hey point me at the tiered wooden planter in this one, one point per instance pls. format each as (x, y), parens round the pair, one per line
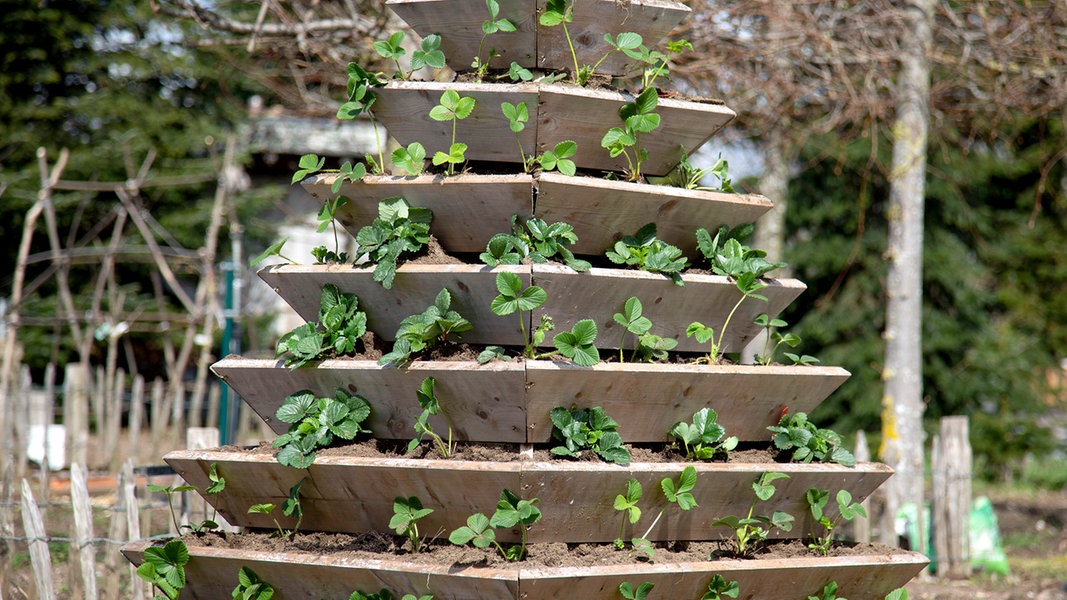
(507, 402)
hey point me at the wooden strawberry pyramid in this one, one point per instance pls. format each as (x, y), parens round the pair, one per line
(509, 401)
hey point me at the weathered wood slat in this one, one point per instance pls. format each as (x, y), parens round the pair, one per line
(212, 574)
(404, 108)
(353, 494)
(414, 289)
(83, 527)
(602, 211)
(647, 399)
(484, 402)
(557, 113)
(40, 559)
(600, 293)
(584, 115)
(467, 209)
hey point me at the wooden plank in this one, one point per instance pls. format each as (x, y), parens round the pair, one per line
(652, 19)
(76, 384)
(117, 530)
(861, 527)
(193, 508)
(473, 288)
(600, 293)
(483, 402)
(468, 209)
(858, 577)
(460, 23)
(138, 586)
(404, 108)
(722, 489)
(584, 116)
(609, 210)
(83, 530)
(351, 494)
(952, 498)
(647, 399)
(212, 573)
(40, 559)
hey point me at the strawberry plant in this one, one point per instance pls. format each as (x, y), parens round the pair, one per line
(627, 505)
(640, 593)
(164, 568)
(452, 107)
(169, 492)
(510, 511)
(428, 54)
(406, 514)
(340, 325)
(290, 508)
(703, 438)
(752, 529)
(748, 285)
(719, 588)
(689, 177)
(578, 344)
(361, 97)
(535, 240)
(315, 422)
(726, 255)
(678, 492)
(809, 442)
(430, 406)
(411, 158)
(274, 249)
(587, 429)
(385, 594)
(846, 510)
(494, 24)
(561, 12)
(427, 329)
(325, 217)
(649, 345)
(399, 229)
(310, 164)
(251, 587)
(514, 298)
(644, 251)
(638, 117)
(829, 592)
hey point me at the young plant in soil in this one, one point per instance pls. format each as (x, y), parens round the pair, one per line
(452, 107)
(689, 177)
(399, 229)
(676, 492)
(535, 240)
(218, 484)
(829, 592)
(310, 164)
(809, 442)
(429, 53)
(719, 588)
(385, 594)
(325, 217)
(494, 24)
(406, 514)
(513, 298)
(430, 406)
(641, 592)
(752, 530)
(290, 508)
(558, 158)
(251, 587)
(770, 327)
(340, 325)
(704, 437)
(587, 429)
(561, 12)
(169, 492)
(649, 345)
(627, 505)
(427, 329)
(847, 510)
(361, 97)
(274, 249)
(638, 117)
(314, 422)
(510, 511)
(410, 159)
(164, 568)
(644, 251)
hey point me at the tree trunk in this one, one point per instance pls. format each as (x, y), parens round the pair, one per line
(902, 445)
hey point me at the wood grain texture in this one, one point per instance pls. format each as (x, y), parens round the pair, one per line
(460, 23)
(647, 399)
(484, 403)
(584, 115)
(600, 293)
(472, 287)
(404, 108)
(467, 209)
(603, 211)
(858, 577)
(351, 494)
(722, 489)
(212, 574)
(652, 19)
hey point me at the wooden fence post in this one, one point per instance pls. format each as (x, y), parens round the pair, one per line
(117, 530)
(39, 557)
(76, 411)
(83, 528)
(133, 524)
(861, 527)
(136, 420)
(952, 498)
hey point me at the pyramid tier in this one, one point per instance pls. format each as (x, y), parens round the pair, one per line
(469, 209)
(459, 22)
(355, 494)
(557, 113)
(510, 401)
(572, 296)
(212, 573)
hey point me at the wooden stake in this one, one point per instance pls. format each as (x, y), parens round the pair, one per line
(861, 528)
(76, 411)
(117, 530)
(83, 527)
(952, 498)
(136, 420)
(39, 557)
(133, 524)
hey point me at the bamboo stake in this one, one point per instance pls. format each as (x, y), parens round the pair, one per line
(83, 526)
(39, 557)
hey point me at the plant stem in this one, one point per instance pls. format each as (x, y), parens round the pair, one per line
(722, 332)
(377, 142)
(574, 56)
(452, 165)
